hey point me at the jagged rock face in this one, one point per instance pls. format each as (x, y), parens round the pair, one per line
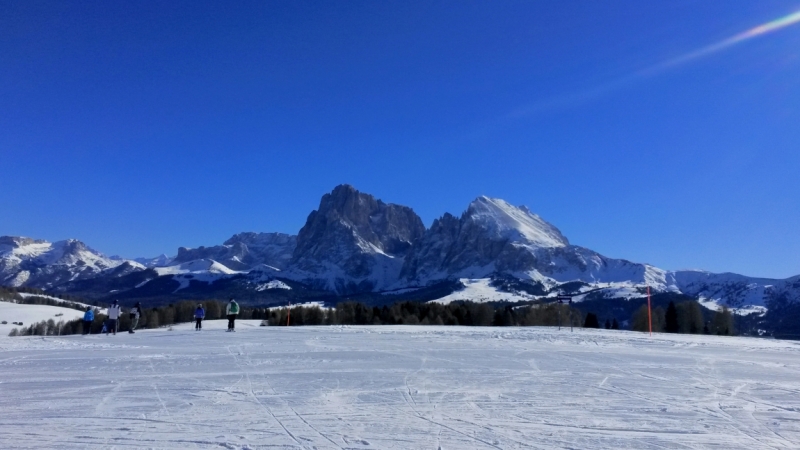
(272, 249)
(245, 250)
(491, 236)
(38, 263)
(356, 241)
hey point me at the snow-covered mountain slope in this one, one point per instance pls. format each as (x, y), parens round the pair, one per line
(158, 261)
(244, 251)
(354, 242)
(480, 290)
(204, 270)
(493, 237)
(501, 220)
(38, 263)
(28, 314)
(733, 290)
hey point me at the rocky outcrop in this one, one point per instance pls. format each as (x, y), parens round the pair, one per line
(244, 251)
(354, 242)
(491, 236)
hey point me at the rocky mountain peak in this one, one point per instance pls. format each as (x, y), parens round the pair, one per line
(10, 242)
(260, 240)
(502, 220)
(364, 219)
(362, 239)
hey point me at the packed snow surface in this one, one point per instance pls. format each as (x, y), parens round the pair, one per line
(398, 388)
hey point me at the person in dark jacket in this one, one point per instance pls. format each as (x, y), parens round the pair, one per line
(199, 315)
(88, 318)
(135, 314)
(232, 310)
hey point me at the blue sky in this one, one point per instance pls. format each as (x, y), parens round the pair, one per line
(139, 127)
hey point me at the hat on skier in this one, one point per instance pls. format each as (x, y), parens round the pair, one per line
(231, 299)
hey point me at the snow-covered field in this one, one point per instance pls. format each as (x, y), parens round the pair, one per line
(29, 314)
(398, 388)
(480, 290)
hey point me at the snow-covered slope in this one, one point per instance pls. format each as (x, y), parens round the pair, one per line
(38, 263)
(501, 220)
(204, 270)
(29, 314)
(480, 290)
(398, 388)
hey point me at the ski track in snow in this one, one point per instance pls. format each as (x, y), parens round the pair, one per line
(397, 388)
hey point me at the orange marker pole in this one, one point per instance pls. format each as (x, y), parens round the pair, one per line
(649, 315)
(288, 313)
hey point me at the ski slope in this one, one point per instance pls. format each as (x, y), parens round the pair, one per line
(30, 314)
(397, 388)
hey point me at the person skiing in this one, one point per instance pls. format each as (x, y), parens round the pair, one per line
(199, 315)
(232, 310)
(88, 318)
(135, 313)
(113, 317)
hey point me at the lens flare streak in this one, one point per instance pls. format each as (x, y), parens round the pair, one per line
(766, 28)
(576, 98)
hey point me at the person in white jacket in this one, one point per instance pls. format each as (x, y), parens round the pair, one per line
(113, 317)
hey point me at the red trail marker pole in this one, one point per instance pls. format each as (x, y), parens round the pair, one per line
(649, 315)
(289, 313)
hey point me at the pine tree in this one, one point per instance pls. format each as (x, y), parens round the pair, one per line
(608, 324)
(591, 321)
(671, 317)
(722, 323)
(614, 325)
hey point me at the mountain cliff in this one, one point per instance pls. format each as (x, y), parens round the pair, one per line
(354, 242)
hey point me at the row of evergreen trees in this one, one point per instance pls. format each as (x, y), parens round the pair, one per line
(593, 322)
(415, 313)
(156, 317)
(38, 300)
(685, 317)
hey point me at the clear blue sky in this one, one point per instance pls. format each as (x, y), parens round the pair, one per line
(139, 127)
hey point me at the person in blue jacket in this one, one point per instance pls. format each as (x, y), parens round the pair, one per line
(88, 318)
(199, 315)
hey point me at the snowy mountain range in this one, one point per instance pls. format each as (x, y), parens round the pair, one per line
(354, 244)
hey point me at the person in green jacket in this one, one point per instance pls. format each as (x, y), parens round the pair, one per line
(232, 310)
